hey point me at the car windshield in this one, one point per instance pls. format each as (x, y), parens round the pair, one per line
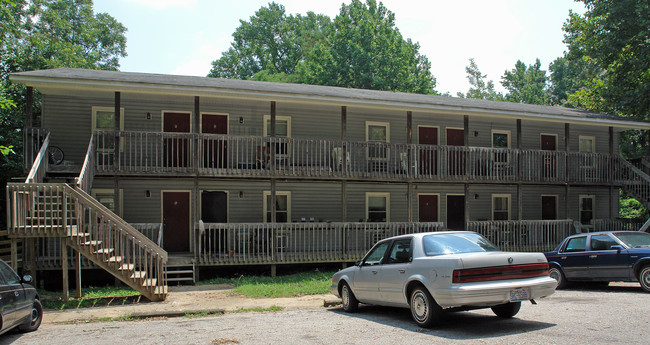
(456, 243)
(635, 240)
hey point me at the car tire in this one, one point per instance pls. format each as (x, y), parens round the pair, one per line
(644, 278)
(424, 309)
(557, 274)
(35, 318)
(350, 302)
(507, 310)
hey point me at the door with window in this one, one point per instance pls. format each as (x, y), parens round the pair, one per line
(176, 221)
(456, 212)
(366, 279)
(573, 258)
(176, 143)
(377, 136)
(428, 207)
(279, 144)
(586, 208)
(103, 119)
(428, 140)
(456, 155)
(214, 209)
(548, 143)
(215, 148)
(395, 271)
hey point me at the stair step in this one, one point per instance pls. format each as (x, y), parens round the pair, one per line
(161, 290)
(150, 282)
(115, 259)
(91, 243)
(180, 272)
(126, 267)
(104, 251)
(139, 275)
(180, 279)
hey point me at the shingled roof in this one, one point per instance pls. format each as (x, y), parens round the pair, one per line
(120, 80)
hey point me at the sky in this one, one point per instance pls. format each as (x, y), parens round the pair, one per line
(184, 36)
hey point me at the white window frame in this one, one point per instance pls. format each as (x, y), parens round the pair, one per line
(593, 210)
(593, 143)
(509, 136)
(215, 190)
(382, 124)
(95, 191)
(93, 124)
(266, 194)
(437, 194)
(385, 195)
(267, 118)
(557, 199)
(509, 203)
(208, 113)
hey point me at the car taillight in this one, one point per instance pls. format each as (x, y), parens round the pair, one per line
(500, 273)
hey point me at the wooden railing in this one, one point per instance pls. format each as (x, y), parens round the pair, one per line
(617, 224)
(153, 231)
(32, 141)
(257, 243)
(229, 155)
(58, 210)
(523, 235)
(39, 166)
(632, 180)
(87, 173)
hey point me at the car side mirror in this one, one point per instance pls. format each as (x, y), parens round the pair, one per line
(617, 247)
(27, 278)
(357, 263)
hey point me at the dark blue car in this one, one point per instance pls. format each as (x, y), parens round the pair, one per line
(602, 257)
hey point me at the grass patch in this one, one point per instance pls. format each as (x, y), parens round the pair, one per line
(258, 309)
(90, 297)
(300, 284)
(201, 314)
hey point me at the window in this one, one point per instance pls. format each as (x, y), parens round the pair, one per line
(376, 255)
(587, 206)
(577, 244)
(103, 118)
(400, 252)
(282, 207)
(500, 206)
(10, 277)
(282, 130)
(501, 140)
(587, 145)
(377, 207)
(106, 197)
(377, 134)
(602, 242)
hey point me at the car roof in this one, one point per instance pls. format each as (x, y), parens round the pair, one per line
(422, 234)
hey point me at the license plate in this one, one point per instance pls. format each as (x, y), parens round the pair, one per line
(518, 295)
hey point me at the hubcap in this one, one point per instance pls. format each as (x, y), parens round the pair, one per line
(555, 274)
(345, 296)
(34, 316)
(646, 277)
(419, 306)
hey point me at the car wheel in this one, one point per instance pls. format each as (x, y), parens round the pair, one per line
(350, 302)
(507, 310)
(424, 309)
(35, 318)
(556, 273)
(644, 278)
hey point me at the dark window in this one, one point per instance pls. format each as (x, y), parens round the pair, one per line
(577, 244)
(401, 252)
(376, 255)
(602, 242)
(9, 275)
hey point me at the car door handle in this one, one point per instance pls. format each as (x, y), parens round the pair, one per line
(593, 256)
(402, 271)
(563, 258)
(374, 272)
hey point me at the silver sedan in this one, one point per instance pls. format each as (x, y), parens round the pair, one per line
(431, 273)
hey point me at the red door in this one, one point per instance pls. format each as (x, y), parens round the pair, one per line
(428, 208)
(428, 154)
(549, 143)
(456, 160)
(176, 221)
(177, 147)
(215, 149)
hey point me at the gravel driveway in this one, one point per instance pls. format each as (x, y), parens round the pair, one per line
(617, 314)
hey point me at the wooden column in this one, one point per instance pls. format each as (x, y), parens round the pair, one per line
(467, 164)
(272, 148)
(409, 141)
(116, 153)
(198, 145)
(29, 107)
(78, 273)
(64, 268)
(28, 150)
(14, 253)
(32, 258)
(344, 183)
(611, 172)
(520, 198)
(567, 138)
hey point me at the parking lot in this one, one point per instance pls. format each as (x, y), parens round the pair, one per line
(579, 315)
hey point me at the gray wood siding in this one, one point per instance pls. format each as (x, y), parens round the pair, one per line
(442, 190)
(532, 200)
(357, 118)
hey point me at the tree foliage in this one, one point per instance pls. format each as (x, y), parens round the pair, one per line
(526, 84)
(479, 87)
(360, 48)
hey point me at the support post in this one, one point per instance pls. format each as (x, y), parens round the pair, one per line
(64, 269)
(198, 146)
(567, 139)
(78, 272)
(14, 254)
(32, 259)
(467, 164)
(466, 205)
(344, 153)
(409, 141)
(28, 150)
(116, 154)
(520, 201)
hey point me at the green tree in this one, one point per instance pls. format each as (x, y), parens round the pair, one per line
(479, 87)
(526, 84)
(608, 57)
(270, 43)
(367, 51)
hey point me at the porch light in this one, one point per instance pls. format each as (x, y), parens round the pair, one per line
(148, 116)
(476, 133)
(147, 193)
(241, 194)
(241, 119)
(475, 196)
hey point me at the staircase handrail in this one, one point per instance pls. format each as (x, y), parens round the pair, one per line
(642, 192)
(37, 172)
(87, 173)
(106, 212)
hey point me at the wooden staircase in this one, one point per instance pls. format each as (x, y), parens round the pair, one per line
(58, 210)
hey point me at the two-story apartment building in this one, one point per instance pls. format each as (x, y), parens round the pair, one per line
(211, 172)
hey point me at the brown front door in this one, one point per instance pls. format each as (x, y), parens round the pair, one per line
(428, 208)
(428, 154)
(214, 148)
(549, 207)
(456, 160)
(176, 221)
(549, 143)
(177, 147)
(456, 212)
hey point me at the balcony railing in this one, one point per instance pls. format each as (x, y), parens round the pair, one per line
(524, 235)
(228, 155)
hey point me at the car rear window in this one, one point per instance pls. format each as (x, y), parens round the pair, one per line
(635, 240)
(439, 244)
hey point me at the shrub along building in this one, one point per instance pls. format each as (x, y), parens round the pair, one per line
(144, 173)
